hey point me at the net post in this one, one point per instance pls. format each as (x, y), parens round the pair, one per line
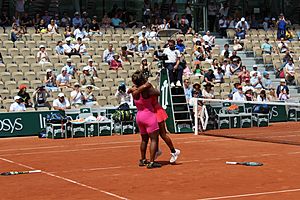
(196, 117)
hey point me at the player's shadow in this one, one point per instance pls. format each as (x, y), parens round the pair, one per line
(163, 163)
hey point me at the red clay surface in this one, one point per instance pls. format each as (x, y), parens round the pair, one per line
(106, 168)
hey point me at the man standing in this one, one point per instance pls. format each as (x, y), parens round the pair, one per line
(172, 64)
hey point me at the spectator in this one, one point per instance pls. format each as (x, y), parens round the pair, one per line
(283, 95)
(63, 79)
(187, 89)
(281, 86)
(283, 46)
(65, 20)
(115, 63)
(180, 46)
(81, 33)
(39, 97)
(68, 32)
(219, 76)
(86, 21)
(197, 90)
(239, 95)
(123, 96)
(124, 54)
(108, 54)
(145, 68)
(131, 46)
(289, 69)
(262, 97)
(25, 20)
(241, 27)
(207, 50)
(153, 34)
(208, 92)
(212, 14)
(235, 56)
(116, 22)
(256, 81)
(224, 10)
(16, 34)
(165, 25)
(80, 48)
(18, 105)
(86, 77)
(50, 81)
(188, 12)
(226, 68)
(94, 27)
(71, 69)
(200, 54)
(42, 55)
(223, 23)
(106, 21)
(265, 24)
(24, 96)
(92, 68)
(19, 8)
(144, 30)
(76, 96)
(266, 81)
(59, 49)
(226, 53)
(209, 38)
(235, 87)
(272, 95)
(77, 20)
(243, 74)
(61, 103)
(198, 71)
(234, 67)
(209, 76)
(184, 28)
(255, 67)
(267, 47)
(69, 48)
(214, 64)
(143, 47)
(57, 19)
(172, 64)
(289, 34)
(52, 27)
(90, 99)
(249, 94)
(46, 17)
(281, 27)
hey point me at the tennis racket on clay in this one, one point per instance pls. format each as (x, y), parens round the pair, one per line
(19, 172)
(245, 163)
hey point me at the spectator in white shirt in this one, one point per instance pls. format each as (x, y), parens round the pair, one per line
(239, 95)
(61, 103)
(131, 46)
(80, 32)
(144, 30)
(223, 23)
(123, 96)
(17, 106)
(69, 47)
(255, 67)
(80, 48)
(290, 71)
(219, 76)
(226, 53)
(63, 79)
(241, 28)
(42, 55)
(256, 81)
(108, 54)
(76, 96)
(52, 27)
(209, 38)
(92, 69)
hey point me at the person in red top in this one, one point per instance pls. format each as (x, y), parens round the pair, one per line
(116, 63)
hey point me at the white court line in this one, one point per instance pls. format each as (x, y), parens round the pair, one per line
(67, 179)
(252, 194)
(32, 148)
(91, 169)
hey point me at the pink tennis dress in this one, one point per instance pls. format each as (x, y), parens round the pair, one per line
(146, 117)
(161, 114)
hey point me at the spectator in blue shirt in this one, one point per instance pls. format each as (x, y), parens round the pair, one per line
(143, 47)
(266, 46)
(180, 46)
(187, 89)
(281, 25)
(59, 49)
(116, 22)
(77, 21)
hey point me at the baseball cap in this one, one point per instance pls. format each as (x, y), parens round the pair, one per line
(61, 95)
(42, 46)
(90, 60)
(282, 80)
(76, 84)
(131, 37)
(69, 60)
(22, 86)
(49, 70)
(144, 27)
(243, 19)
(63, 69)
(17, 97)
(254, 66)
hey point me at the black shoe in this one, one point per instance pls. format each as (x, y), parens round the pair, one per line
(153, 165)
(143, 162)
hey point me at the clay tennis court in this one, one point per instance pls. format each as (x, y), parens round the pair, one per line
(106, 168)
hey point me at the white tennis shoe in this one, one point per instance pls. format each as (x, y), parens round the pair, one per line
(174, 156)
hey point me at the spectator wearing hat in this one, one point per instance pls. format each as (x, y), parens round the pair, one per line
(219, 75)
(92, 68)
(81, 33)
(153, 35)
(76, 97)
(234, 67)
(42, 56)
(77, 20)
(59, 49)
(143, 47)
(52, 27)
(39, 97)
(90, 99)
(24, 96)
(18, 105)
(226, 53)
(63, 79)
(289, 69)
(209, 76)
(116, 62)
(249, 93)
(80, 48)
(209, 38)
(123, 96)
(86, 20)
(71, 69)
(131, 46)
(207, 91)
(86, 78)
(255, 69)
(243, 74)
(173, 64)
(180, 46)
(144, 30)
(266, 81)
(241, 28)
(69, 48)
(108, 54)
(187, 89)
(239, 95)
(61, 103)
(266, 47)
(50, 81)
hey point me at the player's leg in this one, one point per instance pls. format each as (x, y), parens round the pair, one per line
(153, 149)
(143, 149)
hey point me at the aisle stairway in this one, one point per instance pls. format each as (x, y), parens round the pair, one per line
(249, 60)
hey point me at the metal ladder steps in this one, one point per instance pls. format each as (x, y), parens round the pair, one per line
(183, 111)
